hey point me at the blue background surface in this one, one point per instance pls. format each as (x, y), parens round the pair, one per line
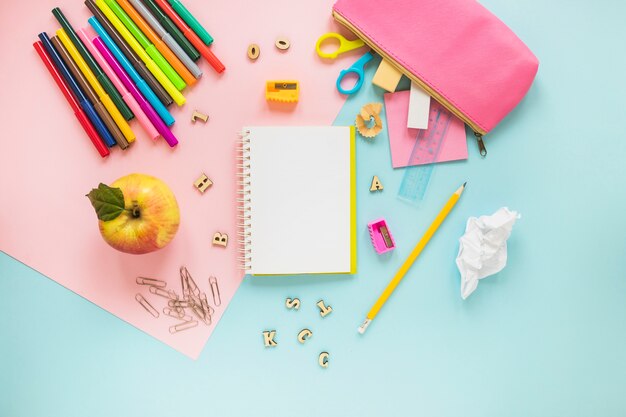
(545, 337)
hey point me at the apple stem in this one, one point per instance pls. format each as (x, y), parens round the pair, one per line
(135, 210)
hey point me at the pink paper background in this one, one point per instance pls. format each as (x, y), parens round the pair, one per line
(402, 139)
(47, 163)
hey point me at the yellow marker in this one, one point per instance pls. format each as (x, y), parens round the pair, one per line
(409, 261)
(97, 87)
(141, 53)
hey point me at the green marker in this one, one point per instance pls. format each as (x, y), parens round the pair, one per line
(191, 21)
(172, 29)
(147, 45)
(93, 65)
(151, 50)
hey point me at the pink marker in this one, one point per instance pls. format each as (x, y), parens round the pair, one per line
(150, 113)
(128, 98)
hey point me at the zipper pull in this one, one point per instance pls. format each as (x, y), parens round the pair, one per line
(481, 144)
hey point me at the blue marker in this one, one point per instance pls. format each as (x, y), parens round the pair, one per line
(80, 96)
(165, 115)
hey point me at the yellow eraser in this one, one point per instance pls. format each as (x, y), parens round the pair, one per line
(285, 91)
(387, 76)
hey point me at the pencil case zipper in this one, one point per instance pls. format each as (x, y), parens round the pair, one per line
(478, 132)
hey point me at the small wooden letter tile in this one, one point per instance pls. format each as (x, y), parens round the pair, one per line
(197, 115)
(220, 239)
(203, 183)
(376, 184)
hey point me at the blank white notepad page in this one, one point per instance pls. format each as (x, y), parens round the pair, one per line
(300, 192)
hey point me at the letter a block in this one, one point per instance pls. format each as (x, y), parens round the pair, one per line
(376, 184)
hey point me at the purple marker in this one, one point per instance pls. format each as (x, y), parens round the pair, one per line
(147, 109)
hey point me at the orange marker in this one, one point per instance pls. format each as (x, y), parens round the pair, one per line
(167, 53)
(204, 50)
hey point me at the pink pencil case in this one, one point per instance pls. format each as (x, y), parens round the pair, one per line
(460, 53)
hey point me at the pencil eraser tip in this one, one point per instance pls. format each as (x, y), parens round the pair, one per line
(364, 326)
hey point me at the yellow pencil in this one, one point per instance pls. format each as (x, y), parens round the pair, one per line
(409, 261)
(97, 87)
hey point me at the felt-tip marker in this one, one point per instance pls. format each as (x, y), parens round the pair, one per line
(130, 55)
(80, 96)
(139, 82)
(191, 21)
(93, 65)
(205, 51)
(154, 118)
(158, 43)
(172, 29)
(145, 43)
(167, 38)
(128, 134)
(128, 98)
(141, 53)
(78, 112)
(89, 93)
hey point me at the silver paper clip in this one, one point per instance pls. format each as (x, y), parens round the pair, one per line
(151, 281)
(170, 294)
(183, 326)
(215, 290)
(179, 303)
(145, 304)
(177, 315)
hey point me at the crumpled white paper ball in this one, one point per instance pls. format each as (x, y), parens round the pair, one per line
(482, 250)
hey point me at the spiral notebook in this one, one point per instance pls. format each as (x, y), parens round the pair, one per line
(297, 202)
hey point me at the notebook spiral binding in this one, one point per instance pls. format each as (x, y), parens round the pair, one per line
(244, 215)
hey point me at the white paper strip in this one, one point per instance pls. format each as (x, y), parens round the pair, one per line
(419, 108)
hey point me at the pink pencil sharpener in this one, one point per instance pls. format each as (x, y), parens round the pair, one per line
(381, 236)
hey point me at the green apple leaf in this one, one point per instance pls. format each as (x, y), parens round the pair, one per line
(108, 202)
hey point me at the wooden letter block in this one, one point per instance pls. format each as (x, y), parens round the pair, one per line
(203, 183)
(220, 239)
(295, 303)
(324, 310)
(304, 335)
(254, 51)
(282, 44)
(197, 115)
(268, 338)
(323, 359)
(376, 184)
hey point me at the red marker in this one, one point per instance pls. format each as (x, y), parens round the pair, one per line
(78, 112)
(191, 35)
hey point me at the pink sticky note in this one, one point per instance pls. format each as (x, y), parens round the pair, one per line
(47, 164)
(402, 139)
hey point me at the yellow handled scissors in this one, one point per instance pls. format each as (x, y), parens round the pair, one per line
(344, 45)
